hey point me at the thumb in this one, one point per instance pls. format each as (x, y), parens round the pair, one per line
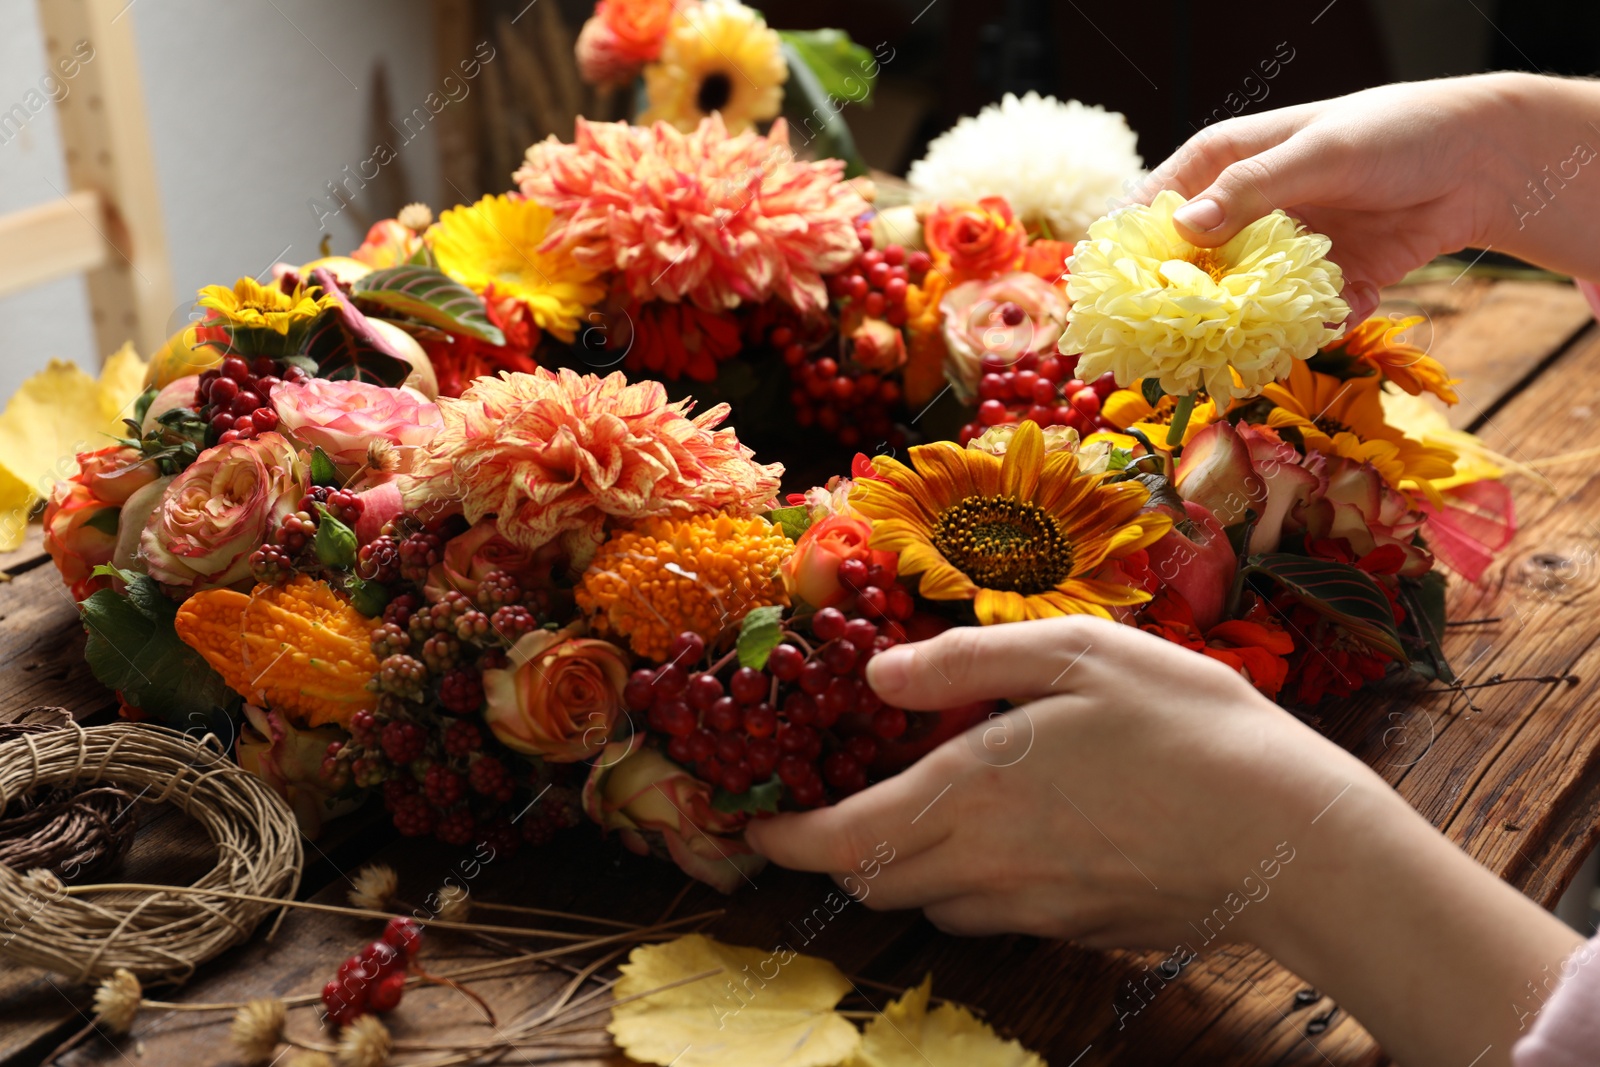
(1018, 661)
(1285, 175)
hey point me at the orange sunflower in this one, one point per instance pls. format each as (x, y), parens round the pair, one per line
(1376, 343)
(1345, 418)
(1023, 536)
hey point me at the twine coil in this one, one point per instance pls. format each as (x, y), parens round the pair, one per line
(86, 935)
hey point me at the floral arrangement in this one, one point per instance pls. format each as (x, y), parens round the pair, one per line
(377, 515)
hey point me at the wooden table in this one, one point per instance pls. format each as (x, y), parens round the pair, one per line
(1514, 778)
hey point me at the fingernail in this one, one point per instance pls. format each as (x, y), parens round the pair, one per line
(1199, 215)
(890, 669)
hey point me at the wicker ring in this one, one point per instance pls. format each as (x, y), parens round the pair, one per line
(89, 932)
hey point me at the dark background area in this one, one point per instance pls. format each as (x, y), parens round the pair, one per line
(1170, 66)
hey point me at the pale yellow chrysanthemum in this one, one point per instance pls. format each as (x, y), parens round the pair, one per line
(719, 56)
(1229, 320)
(495, 243)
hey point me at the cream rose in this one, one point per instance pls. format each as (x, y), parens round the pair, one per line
(560, 698)
(1004, 317)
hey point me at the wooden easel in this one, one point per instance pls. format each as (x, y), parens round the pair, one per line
(107, 221)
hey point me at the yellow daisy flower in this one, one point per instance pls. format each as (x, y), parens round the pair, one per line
(1023, 536)
(495, 243)
(718, 56)
(1345, 418)
(1127, 408)
(251, 305)
(1376, 343)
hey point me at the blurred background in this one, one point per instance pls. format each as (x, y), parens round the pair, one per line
(262, 116)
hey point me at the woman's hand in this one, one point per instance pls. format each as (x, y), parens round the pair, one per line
(1144, 795)
(1401, 173)
(1135, 791)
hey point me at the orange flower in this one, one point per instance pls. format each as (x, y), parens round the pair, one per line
(1377, 344)
(1047, 259)
(299, 648)
(562, 454)
(665, 576)
(974, 241)
(675, 341)
(559, 698)
(812, 573)
(620, 37)
(925, 350)
(1255, 645)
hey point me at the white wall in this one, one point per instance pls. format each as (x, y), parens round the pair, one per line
(248, 122)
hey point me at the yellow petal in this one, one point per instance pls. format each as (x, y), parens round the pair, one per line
(1019, 471)
(907, 1034)
(53, 416)
(775, 1008)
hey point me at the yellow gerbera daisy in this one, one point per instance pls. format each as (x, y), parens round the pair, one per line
(1023, 536)
(251, 305)
(718, 56)
(495, 242)
(1128, 409)
(1345, 418)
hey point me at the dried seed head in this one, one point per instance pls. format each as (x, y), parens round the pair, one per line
(117, 1000)
(416, 217)
(374, 887)
(257, 1030)
(364, 1043)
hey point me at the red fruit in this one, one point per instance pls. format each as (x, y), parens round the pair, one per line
(730, 749)
(724, 715)
(263, 365)
(760, 721)
(840, 768)
(1012, 314)
(671, 681)
(840, 656)
(814, 677)
(678, 750)
(380, 958)
(792, 770)
(403, 741)
(265, 419)
(794, 354)
(900, 604)
(1050, 368)
(1105, 385)
(918, 262)
(786, 661)
(223, 390)
(800, 708)
(704, 691)
(676, 717)
(809, 793)
(1062, 415)
(228, 437)
(749, 686)
(860, 632)
(888, 723)
(874, 603)
(991, 413)
(896, 316)
(843, 389)
(992, 387)
(1043, 391)
(640, 691)
(780, 336)
(877, 273)
(736, 779)
(838, 698)
(1087, 402)
(828, 624)
(404, 934)
(462, 738)
(235, 368)
(702, 745)
(874, 304)
(826, 368)
(856, 287)
(863, 748)
(387, 993)
(244, 403)
(687, 648)
(761, 753)
(1041, 415)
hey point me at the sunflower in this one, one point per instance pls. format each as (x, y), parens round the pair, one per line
(1345, 418)
(1376, 344)
(495, 243)
(1023, 536)
(719, 57)
(1128, 409)
(251, 305)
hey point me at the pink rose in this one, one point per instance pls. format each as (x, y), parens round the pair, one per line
(646, 797)
(560, 698)
(1005, 316)
(878, 346)
(812, 571)
(220, 510)
(116, 473)
(474, 554)
(80, 533)
(344, 418)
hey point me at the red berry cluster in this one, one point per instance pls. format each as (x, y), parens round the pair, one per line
(374, 979)
(808, 716)
(878, 280)
(235, 398)
(1037, 389)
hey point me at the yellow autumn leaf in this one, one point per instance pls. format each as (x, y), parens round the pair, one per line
(907, 1034)
(774, 1008)
(54, 415)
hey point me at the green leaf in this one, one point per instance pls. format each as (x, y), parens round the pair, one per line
(429, 294)
(814, 118)
(323, 472)
(1424, 600)
(368, 597)
(795, 520)
(141, 407)
(1151, 388)
(133, 648)
(759, 634)
(842, 67)
(335, 543)
(104, 520)
(1345, 595)
(763, 796)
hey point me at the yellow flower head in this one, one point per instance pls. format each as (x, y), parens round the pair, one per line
(1228, 320)
(1376, 343)
(1346, 418)
(251, 305)
(702, 574)
(1023, 536)
(718, 56)
(496, 242)
(1127, 408)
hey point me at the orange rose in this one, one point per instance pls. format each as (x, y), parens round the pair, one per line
(620, 37)
(974, 241)
(560, 698)
(80, 533)
(1047, 259)
(878, 346)
(812, 571)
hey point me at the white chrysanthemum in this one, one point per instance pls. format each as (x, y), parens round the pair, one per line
(1062, 163)
(1229, 320)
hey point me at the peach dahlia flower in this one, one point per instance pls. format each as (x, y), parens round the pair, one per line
(558, 454)
(703, 216)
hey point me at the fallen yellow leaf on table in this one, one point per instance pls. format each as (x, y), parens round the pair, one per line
(907, 1034)
(773, 1008)
(54, 415)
